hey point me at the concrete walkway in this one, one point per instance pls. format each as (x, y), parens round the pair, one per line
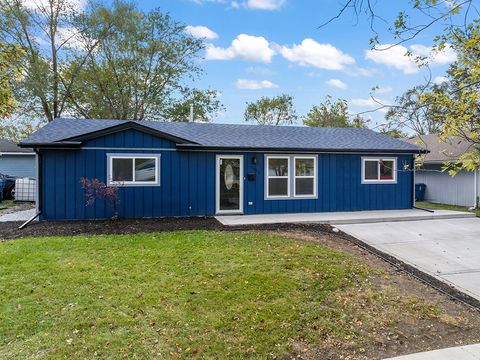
(469, 352)
(351, 217)
(18, 216)
(448, 249)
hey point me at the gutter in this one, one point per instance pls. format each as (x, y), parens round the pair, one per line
(193, 147)
(18, 153)
(51, 144)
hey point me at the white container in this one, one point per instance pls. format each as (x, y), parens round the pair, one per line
(25, 189)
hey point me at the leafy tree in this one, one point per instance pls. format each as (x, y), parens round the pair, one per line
(10, 72)
(139, 69)
(47, 32)
(395, 133)
(333, 115)
(205, 105)
(278, 110)
(359, 122)
(410, 113)
(458, 102)
(17, 128)
(328, 114)
(102, 62)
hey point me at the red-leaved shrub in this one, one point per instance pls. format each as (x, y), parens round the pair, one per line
(97, 190)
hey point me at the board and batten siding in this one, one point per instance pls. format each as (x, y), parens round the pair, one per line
(445, 189)
(187, 182)
(18, 165)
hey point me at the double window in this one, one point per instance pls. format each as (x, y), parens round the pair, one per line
(286, 172)
(125, 170)
(379, 170)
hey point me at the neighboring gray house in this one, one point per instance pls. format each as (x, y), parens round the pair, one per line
(462, 189)
(15, 161)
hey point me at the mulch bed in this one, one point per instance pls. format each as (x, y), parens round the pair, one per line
(9, 230)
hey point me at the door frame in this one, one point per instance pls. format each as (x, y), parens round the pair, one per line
(217, 184)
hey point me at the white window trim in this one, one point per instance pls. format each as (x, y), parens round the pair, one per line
(111, 157)
(314, 176)
(268, 177)
(379, 181)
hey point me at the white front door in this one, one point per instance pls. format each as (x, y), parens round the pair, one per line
(229, 184)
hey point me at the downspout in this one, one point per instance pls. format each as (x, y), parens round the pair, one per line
(38, 202)
(475, 190)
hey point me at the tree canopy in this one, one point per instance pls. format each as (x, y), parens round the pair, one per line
(278, 110)
(104, 61)
(409, 113)
(332, 114)
(458, 101)
(10, 73)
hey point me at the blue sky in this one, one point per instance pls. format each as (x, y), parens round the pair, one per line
(268, 47)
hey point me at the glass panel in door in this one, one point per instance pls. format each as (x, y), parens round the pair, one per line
(229, 181)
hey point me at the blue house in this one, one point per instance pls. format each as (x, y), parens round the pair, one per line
(15, 161)
(191, 169)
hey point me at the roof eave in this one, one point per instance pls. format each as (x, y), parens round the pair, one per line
(316, 150)
(51, 144)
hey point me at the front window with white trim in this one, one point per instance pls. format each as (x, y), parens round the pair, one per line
(278, 180)
(127, 170)
(379, 170)
(286, 172)
(305, 170)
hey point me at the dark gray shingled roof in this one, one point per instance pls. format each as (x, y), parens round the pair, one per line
(7, 146)
(229, 136)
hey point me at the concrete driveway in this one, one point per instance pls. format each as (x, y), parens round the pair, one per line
(448, 249)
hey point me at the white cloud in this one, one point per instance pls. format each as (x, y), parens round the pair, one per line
(446, 56)
(398, 56)
(339, 84)
(265, 4)
(201, 32)
(247, 4)
(371, 103)
(322, 56)
(395, 57)
(36, 4)
(245, 47)
(245, 84)
(440, 79)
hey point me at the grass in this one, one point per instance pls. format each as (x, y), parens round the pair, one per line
(429, 205)
(5, 204)
(185, 294)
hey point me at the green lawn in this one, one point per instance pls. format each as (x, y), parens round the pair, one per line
(185, 294)
(429, 205)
